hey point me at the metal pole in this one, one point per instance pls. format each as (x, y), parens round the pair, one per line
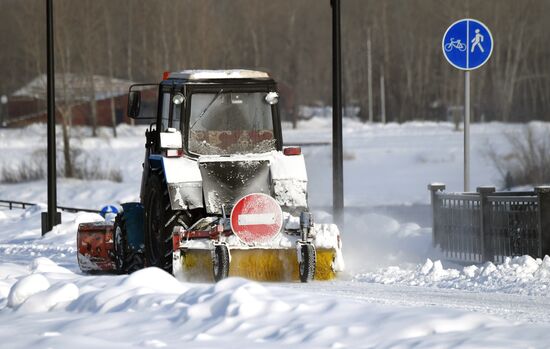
(51, 219)
(1, 111)
(337, 144)
(369, 77)
(382, 98)
(467, 131)
(543, 194)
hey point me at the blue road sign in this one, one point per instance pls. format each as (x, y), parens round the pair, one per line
(467, 44)
(109, 209)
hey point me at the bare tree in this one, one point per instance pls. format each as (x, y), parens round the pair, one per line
(110, 64)
(139, 39)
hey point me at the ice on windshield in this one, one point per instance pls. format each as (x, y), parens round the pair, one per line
(230, 123)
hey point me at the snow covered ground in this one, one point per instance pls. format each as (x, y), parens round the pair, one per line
(384, 164)
(397, 292)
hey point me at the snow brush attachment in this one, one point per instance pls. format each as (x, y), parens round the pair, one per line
(258, 264)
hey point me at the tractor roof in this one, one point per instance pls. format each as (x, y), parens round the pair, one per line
(193, 75)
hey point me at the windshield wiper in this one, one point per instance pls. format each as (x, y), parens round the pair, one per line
(205, 109)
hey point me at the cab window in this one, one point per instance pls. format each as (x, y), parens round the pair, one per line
(165, 118)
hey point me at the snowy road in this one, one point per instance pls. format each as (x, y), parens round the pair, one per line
(511, 307)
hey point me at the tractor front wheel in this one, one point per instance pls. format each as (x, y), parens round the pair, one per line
(220, 262)
(307, 262)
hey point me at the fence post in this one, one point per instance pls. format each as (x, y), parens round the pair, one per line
(485, 223)
(436, 203)
(543, 194)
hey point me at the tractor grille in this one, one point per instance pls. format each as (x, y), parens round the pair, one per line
(225, 182)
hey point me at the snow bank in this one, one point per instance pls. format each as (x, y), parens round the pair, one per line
(27, 287)
(37, 293)
(151, 309)
(127, 292)
(47, 299)
(45, 265)
(518, 275)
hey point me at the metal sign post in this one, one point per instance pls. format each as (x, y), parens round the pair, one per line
(52, 218)
(3, 107)
(337, 144)
(467, 130)
(467, 45)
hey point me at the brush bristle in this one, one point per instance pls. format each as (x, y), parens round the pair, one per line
(257, 264)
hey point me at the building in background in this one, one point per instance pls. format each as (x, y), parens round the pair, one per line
(74, 95)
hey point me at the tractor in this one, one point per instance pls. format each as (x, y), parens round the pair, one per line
(220, 194)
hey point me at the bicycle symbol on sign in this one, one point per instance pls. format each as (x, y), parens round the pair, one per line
(455, 44)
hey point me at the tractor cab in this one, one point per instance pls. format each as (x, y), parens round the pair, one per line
(213, 113)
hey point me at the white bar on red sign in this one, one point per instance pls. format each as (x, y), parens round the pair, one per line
(256, 218)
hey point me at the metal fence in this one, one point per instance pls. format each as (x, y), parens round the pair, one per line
(11, 204)
(489, 225)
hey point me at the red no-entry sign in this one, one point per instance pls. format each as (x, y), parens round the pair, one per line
(256, 218)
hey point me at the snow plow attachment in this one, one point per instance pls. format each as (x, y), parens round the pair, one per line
(257, 264)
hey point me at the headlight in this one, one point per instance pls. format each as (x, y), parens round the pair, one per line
(272, 98)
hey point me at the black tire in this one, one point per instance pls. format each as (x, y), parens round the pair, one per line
(220, 262)
(119, 232)
(159, 222)
(126, 259)
(307, 264)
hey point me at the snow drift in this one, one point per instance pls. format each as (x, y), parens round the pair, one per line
(151, 309)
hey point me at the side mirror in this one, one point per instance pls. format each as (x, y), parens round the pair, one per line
(134, 104)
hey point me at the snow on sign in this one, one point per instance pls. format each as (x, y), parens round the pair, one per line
(467, 44)
(256, 218)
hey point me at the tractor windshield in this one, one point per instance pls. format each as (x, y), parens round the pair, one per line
(226, 123)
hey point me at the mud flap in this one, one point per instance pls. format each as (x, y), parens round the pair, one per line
(133, 215)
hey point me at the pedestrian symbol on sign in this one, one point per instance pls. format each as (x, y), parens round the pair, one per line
(477, 40)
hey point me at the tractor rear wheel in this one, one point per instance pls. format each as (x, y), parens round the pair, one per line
(159, 223)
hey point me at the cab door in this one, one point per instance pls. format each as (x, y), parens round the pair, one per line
(171, 106)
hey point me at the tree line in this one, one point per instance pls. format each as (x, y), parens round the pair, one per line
(137, 40)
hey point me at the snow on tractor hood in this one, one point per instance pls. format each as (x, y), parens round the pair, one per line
(217, 181)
